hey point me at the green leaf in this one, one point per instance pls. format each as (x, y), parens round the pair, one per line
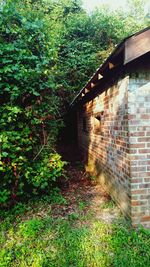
(4, 154)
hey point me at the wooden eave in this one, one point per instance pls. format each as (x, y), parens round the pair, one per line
(127, 51)
(137, 46)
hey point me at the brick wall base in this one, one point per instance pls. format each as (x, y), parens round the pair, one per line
(110, 184)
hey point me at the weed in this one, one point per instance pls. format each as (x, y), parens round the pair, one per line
(82, 206)
(73, 216)
(55, 197)
(30, 228)
(108, 205)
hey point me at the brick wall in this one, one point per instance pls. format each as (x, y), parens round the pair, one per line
(117, 148)
(106, 147)
(139, 138)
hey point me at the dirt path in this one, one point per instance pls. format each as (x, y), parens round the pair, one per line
(82, 194)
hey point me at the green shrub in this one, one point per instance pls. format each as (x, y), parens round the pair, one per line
(45, 172)
(29, 106)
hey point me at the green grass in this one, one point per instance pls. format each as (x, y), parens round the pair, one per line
(107, 205)
(31, 235)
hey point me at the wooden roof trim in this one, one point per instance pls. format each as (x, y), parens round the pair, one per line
(123, 48)
(137, 46)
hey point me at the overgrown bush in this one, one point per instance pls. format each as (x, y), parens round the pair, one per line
(30, 116)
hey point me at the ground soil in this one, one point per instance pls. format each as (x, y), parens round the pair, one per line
(80, 190)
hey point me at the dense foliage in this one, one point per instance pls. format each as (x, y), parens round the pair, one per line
(48, 50)
(30, 108)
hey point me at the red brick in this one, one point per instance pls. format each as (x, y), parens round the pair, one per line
(145, 116)
(139, 192)
(144, 185)
(137, 134)
(145, 218)
(138, 169)
(147, 180)
(134, 122)
(144, 162)
(144, 151)
(144, 139)
(140, 180)
(137, 145)
(145, 197)
(135, 203)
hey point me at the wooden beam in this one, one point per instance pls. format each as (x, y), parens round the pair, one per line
(100, 76)
(92, 85)
(83, 93)
(111, 65)
(86, 90)
(137, 46)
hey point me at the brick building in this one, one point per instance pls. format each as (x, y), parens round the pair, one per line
(114, 126)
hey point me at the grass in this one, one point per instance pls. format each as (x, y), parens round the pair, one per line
(33, 235)
(108, 205)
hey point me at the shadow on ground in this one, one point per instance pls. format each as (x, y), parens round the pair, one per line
(82, 190)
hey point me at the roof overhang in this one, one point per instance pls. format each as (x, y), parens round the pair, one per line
(128, 50)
